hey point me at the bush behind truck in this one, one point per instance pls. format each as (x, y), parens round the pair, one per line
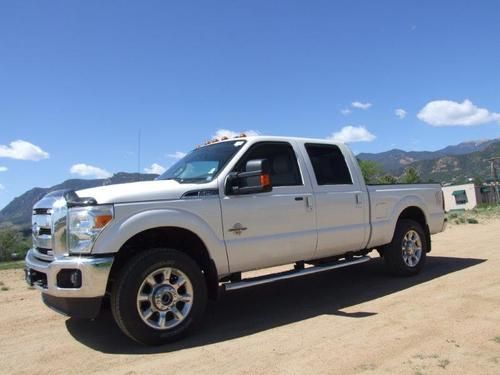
(13, 244)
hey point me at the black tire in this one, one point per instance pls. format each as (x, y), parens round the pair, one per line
(125, 291)
(393, 253)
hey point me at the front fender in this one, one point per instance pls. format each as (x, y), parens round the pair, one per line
(122, 229)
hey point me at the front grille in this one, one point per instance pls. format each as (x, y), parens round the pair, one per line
(43, 251)
(42, 233)
(49, 226)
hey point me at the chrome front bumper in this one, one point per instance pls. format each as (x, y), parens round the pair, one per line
(93, 273)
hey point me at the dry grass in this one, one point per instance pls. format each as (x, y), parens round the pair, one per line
(476, 216)
(12, 265)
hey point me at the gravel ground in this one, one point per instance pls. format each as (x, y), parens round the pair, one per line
(353, 320)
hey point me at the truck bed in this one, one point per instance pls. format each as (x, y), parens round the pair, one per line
(388, 201)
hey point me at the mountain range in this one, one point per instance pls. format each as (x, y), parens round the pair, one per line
(459, 168)
(395, 161)
(18, 211)
(452, 164)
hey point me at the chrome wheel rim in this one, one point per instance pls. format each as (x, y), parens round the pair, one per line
(165, 298)
(411, 248)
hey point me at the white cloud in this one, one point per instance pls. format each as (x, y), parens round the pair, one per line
(360, 105)
(3, 169)
(450, 113)
(349, 134)
(221, 133)
(177, 155)
(86, 170)
(345, 111)
(401, 113)
(155, 169)
(22, 150)
(2, 187)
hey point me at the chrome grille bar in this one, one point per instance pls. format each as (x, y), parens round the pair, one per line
(42, 234)
(49, 226)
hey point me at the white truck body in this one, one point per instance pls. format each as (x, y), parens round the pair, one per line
(340, 218)
(302, 221)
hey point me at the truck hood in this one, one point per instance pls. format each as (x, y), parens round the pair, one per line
(139, 191)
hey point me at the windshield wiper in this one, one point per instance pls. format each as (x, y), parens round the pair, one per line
(187, 180)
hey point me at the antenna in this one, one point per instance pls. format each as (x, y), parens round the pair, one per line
(139, 155)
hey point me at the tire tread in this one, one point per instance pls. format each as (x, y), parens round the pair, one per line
(141, 260)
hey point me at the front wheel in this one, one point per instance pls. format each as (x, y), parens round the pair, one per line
(406, 254)
(159, 296)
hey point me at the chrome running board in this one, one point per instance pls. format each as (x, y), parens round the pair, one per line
(246, 283)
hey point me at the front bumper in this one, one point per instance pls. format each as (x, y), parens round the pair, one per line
(82, 301)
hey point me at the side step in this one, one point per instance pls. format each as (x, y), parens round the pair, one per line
(246, 283)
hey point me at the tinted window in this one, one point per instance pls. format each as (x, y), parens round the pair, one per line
(282, 159)
(329, 165)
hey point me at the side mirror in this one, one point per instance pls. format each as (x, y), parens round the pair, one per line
(255, 179)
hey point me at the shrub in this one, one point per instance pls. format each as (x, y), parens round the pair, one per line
(12, 245)
(461, 220)
(471, 220)
(453, 215)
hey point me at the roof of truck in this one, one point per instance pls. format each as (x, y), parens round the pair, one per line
(271, 138)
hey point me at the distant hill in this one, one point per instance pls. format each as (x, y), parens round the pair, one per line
(458, 168)
(468, 147)
(18, 212)
(395, 161)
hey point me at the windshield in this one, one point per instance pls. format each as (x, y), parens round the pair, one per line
(204, 163)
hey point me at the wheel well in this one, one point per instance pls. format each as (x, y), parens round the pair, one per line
(416, 214)
(169, 237)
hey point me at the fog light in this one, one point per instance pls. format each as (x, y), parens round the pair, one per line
(70, 278)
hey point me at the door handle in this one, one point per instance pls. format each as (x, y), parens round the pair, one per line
(309, 203)
(237, 228)
(359, 200)
(299, 199)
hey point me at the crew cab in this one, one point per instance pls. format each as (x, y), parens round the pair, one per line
(158, 250)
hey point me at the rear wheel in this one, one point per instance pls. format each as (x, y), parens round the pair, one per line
(406, 254)
(159, 296)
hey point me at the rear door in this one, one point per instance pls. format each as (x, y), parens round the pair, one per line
(275, 227)
(341, 204)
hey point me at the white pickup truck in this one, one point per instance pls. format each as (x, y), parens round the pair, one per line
(159, 249)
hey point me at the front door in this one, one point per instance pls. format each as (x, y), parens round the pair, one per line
(272, 228)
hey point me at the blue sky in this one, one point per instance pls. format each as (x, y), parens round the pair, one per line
(79, 79)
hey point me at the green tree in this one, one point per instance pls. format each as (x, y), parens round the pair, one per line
(478, 181)
(8, 241)
(371, 170)
(411, 176)
(387, 179)
(12, 242)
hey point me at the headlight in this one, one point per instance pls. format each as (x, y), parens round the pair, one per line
(85, 224)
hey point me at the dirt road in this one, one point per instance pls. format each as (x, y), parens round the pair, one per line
(354, 320)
